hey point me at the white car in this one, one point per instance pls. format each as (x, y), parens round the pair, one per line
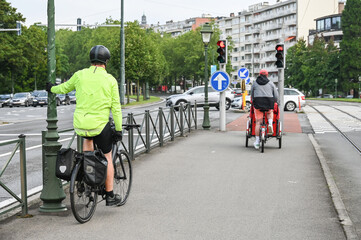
(292, 97)
(196, 94)
(238, 102)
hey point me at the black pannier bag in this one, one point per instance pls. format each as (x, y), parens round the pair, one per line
(95, 168)
(65, 162)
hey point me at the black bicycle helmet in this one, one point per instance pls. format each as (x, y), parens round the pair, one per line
(99, 53)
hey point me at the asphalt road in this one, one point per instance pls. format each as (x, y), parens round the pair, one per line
(32, 121)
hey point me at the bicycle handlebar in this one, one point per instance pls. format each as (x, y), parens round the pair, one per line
(130, 126)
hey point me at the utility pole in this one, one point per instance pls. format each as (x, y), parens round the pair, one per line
(122, 54)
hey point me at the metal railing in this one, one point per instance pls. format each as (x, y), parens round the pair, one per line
(156, 128)
(23, 201)
(159, 126)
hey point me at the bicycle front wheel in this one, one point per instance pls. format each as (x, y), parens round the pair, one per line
(122, 176)
(83, 200)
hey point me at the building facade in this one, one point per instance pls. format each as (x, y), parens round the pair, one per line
(256, 31)
(181, 27)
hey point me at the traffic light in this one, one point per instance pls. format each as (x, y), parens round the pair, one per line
(222, 51)
(280, 59)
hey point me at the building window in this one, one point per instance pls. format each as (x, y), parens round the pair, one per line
(336, 23)
(328, 24)
(320, 25)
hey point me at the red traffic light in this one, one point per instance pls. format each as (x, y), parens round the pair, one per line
(279, 47)
(221, 44)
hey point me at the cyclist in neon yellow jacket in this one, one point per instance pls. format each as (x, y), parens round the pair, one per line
(96, 94)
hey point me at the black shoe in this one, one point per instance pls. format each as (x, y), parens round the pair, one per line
(111, 201)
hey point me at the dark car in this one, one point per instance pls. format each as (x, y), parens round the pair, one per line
(62, 99)
(21, 99)
(41, 98)
(5, 100)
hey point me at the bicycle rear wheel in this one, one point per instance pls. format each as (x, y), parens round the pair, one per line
(122, 176)
(83, 200)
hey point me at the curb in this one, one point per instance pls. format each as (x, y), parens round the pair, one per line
(344, 218)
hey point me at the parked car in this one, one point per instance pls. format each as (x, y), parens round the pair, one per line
(327, 96)
(237, 92)
(63, 99)
(41, 98)
(72, 96)
(21, 99)
(196, 94)
(5, 100)
(292, 97)
(237, 102)
(349, 96)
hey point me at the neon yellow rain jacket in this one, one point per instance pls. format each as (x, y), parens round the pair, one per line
(96, 94)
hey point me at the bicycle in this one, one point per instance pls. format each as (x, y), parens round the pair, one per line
(263, 130)
(84, 198)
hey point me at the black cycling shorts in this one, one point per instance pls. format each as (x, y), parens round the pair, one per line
(104, 139)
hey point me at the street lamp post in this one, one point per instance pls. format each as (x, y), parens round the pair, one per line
(359, 86)
(52, 194)
(206, 37)
(336, 88)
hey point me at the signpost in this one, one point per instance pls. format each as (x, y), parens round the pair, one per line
(243, 73)
(220, 82)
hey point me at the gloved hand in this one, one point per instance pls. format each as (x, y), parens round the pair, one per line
(117, 135)
(49, 85)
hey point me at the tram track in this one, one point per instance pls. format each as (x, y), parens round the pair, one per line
(348, 139)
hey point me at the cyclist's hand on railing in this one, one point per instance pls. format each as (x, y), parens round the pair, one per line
(118, 135)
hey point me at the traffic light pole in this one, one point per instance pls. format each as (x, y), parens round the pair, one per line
(281, 83)
(222, 104)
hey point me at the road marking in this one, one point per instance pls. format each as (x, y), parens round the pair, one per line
(31, 134)
(31, 148)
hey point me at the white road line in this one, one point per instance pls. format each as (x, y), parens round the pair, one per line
(31, 134)
(30, 148)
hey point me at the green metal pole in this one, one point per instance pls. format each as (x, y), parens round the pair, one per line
(122, 55)
(52, 194)
(206, 123)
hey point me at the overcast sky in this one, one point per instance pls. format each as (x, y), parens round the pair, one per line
(96, 11)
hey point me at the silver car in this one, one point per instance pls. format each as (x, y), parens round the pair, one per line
(196, 94)
(21, 99)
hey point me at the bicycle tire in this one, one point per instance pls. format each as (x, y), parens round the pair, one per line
(122, 176)
(83, 200)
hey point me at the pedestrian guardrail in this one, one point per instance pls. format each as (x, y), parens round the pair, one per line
(156, 127)
(159, 126)
(23, 200)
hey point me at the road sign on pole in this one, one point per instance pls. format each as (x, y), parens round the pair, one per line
(220, 81)
(243, 73)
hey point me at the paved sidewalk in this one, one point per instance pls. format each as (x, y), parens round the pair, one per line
(208, 185)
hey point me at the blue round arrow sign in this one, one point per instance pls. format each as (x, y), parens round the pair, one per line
(243, 73)
(220, 81)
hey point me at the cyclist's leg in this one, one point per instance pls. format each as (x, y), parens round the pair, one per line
(270, 121)
(259, 117)
(104, 142)
(88, 144)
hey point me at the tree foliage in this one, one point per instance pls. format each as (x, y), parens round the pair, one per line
(351, 44)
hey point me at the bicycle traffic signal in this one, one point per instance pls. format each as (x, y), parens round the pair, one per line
(280, 59)
(222, 51)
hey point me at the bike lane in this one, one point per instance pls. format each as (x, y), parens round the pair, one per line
(208, 185)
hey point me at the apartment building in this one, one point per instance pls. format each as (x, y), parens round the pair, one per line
(256, 31)
(181, 27)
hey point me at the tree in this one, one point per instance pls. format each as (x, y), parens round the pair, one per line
(351, 44)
